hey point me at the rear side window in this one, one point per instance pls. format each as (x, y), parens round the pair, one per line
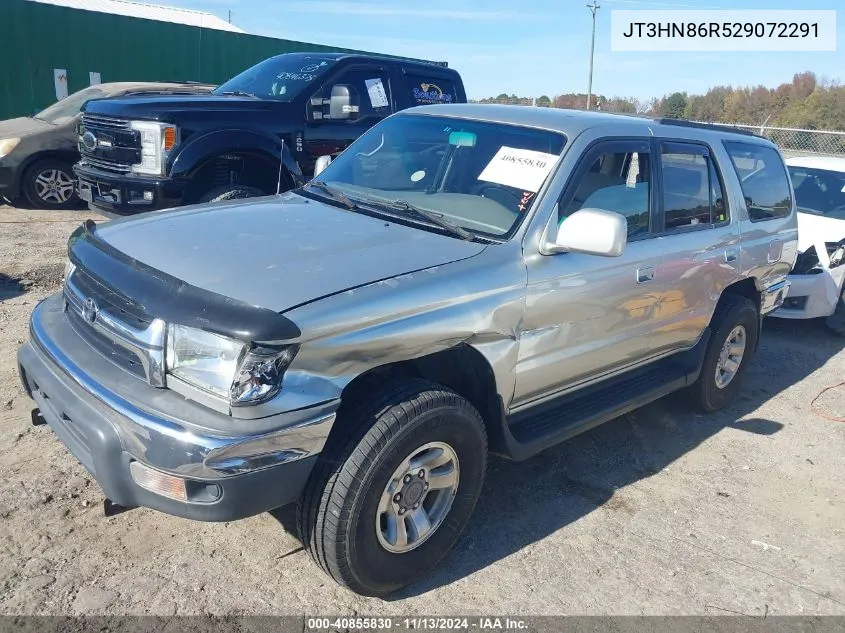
(427, 90)
(692, 190)
(764, 181)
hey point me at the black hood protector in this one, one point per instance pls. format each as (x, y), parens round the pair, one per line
(163, 296)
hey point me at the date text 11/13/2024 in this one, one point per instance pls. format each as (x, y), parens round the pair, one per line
(415, 623)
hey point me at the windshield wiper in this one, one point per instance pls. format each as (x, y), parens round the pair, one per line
(434, 218)
(334, 194)
(238, 93)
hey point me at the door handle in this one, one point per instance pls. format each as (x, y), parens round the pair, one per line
(731, 255)
(644, 274)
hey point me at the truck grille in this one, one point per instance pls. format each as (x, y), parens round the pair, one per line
(116, 327)
(105, 122)
(107, 165)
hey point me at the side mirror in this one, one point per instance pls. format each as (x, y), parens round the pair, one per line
(341, 107)
(590, 231)
(321, 164)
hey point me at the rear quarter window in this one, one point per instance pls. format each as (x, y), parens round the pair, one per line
(763, 178)
(427, 90)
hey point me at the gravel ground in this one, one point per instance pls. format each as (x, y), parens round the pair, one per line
(659, 512)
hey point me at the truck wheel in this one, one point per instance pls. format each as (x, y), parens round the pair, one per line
(736, 326)
(836, 321)
(394, 489)
(231, 192)
(50, 184)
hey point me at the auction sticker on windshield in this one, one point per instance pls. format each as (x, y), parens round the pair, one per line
(378, 96)
(519, 168)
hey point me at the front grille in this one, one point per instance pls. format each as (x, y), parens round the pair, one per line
(107, 165)
(119, 355)
(116, 327)
(116, 304)
(106, 122)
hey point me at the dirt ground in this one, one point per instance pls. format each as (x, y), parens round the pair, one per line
(659, 512)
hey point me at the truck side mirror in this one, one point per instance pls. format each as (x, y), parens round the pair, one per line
(341, 103)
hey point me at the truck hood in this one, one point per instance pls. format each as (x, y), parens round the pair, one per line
(167, 107)
(817, 229)
(279, 252)
(23, 127)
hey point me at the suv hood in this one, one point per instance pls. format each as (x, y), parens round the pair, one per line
(279, 252)
(165, 106)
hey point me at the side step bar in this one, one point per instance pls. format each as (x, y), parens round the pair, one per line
(530, 431)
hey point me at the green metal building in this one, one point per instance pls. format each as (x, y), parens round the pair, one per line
(52, 46)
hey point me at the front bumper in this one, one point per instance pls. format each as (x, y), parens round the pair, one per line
(227, 477)
(812, 296)
(9, 186)
(127, 194)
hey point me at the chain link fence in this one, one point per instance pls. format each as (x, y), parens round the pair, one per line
(798, 142)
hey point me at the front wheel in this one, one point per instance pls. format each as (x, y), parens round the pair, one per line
(50, 184)
(735, 328)
(394, 489)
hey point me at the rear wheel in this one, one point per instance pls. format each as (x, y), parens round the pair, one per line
(836, 321)
(50, 184)
(231, 192)
(733, 339)
(394, 489)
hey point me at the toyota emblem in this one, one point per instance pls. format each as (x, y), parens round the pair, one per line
(89, 140)
(90, 310)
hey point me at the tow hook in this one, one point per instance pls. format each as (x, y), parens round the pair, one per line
(110, 508)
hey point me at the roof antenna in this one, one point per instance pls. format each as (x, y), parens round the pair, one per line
(281, 164)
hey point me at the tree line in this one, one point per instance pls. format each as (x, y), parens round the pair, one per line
(807, 102)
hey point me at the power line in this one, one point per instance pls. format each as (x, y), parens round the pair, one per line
(593, 8)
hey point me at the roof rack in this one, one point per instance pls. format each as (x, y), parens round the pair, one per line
(707, 126)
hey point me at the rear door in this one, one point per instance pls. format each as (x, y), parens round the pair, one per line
(700, 240)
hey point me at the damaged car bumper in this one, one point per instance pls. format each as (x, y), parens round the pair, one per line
(164, 455)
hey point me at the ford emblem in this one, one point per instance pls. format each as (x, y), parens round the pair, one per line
(89, 140)
(90, 310)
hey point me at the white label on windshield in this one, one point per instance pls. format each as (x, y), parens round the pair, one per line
(519, 168)
(378, 97)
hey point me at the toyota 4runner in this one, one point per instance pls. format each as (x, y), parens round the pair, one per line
(461, 280)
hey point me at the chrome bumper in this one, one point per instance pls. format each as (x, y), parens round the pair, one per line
(162, 442)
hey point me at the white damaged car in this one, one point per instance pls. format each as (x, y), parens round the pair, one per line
(819, 273)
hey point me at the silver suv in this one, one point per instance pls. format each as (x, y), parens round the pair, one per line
(462, 280)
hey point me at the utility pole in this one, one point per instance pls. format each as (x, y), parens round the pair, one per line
(593, 7)
(230, 16)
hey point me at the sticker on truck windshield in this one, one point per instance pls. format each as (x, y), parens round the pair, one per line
(519, 168)
(378, 96)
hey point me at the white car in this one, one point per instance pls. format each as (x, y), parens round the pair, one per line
(818, 276)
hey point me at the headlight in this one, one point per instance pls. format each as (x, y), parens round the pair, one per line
(69, 268)
(7, 145)
(225, 367)
(157, 141)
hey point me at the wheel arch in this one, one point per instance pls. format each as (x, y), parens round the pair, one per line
(462, 368)
(748, 288)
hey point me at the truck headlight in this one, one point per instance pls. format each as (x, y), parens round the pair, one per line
(157, 141)
(224, 367)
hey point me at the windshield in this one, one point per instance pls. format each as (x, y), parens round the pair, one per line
(69, 107)
(280, 78)
(819, 191)
(478, 176)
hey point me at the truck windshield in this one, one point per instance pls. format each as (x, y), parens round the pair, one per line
(481, 177)
(280, 78)
(819, 191)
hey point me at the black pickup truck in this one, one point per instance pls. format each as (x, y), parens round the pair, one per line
(259, 133)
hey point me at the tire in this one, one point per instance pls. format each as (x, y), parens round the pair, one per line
(733, 312)
(50, 184)
(231, 192)
(836, 321)
(338, 516)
